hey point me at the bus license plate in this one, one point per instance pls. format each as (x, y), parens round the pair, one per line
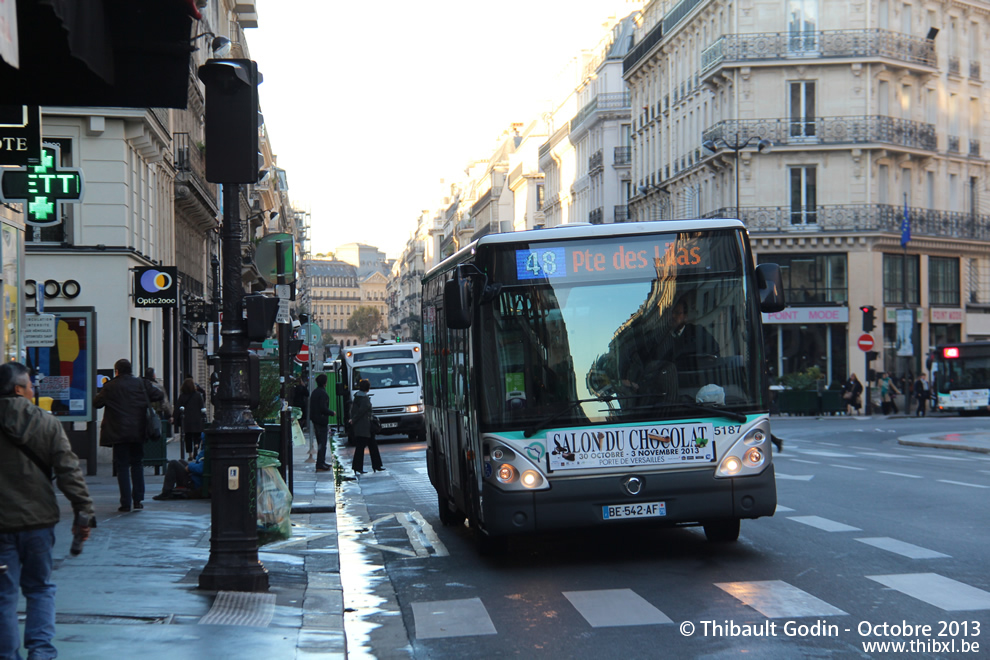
(389, 425)
(642, 510)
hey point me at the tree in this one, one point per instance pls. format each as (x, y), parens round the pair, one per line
(328, 338)
(365, 322)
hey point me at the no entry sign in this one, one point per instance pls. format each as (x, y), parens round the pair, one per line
(865, 342)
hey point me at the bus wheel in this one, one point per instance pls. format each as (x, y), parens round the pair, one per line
(447, 517)
(722, 531)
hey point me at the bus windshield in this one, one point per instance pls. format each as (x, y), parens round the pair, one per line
(969, 372)
(623, 344)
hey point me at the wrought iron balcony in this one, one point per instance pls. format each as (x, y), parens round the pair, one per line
(974, 70)
(607, 101)
(884, 218)
(193, 193)
(621, 213)
(953, 144)
(829, 130)
(974, 148)
(596, 162)
(622, 156)
(597, 216)
(954, 65)
(846, 44)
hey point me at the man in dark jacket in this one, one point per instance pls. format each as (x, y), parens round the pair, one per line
(32, 447)
(126, 399)
(320, 414)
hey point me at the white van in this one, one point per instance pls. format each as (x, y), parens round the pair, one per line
(394, 371)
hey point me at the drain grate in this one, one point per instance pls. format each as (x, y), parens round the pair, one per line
(241, 608)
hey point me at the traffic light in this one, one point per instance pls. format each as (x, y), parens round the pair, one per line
(869, 317)
(261, 314)
(231, 120)
(872, 355)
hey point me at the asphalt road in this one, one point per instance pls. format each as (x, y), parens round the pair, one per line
(868, 534)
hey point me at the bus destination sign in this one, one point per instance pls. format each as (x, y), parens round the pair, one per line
(590, 261)
(657, 445)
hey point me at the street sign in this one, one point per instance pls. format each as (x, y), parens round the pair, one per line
(283, 311)
(302, 357)
(39, 330)
(865, 342)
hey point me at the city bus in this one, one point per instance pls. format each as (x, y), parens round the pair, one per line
(961, 377)
(393, 369)
(563, 388)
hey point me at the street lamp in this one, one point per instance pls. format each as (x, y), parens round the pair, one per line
(739, 143)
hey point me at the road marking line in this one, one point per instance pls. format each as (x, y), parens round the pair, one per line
(824, 524)
(960, 483)
(415, 538)
(902, 548)
(782, 509)
(948, 458)
(880, 454)
(846, 467)
(798, 460)
(603, 608)
(452, 618)
(828, 444)
(439, 549)
(799, 477)
(830, 454)
(390, 548)
(900, 474)
(937, 590)
(776, 599)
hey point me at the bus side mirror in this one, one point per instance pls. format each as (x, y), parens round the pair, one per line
(771, 288)
(457, 301)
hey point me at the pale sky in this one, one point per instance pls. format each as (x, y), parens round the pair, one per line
(368, 106)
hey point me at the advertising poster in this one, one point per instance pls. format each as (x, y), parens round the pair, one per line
(10, 246)
(69, 367)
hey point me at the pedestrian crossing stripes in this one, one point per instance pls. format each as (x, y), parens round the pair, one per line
(938, 590)
(824, 524)
(774, 599)
(909, 550)
(615, 607)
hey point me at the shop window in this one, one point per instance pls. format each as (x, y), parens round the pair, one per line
(943, 281)
(812, 279)
(893, 279)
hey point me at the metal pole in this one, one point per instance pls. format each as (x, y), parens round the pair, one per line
(737, 148)
(232, 439)
(907, 359)
(285, 372)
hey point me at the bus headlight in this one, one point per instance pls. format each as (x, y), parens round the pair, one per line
(418, 408)
(506, 473)
(531, 479)
(747, 456)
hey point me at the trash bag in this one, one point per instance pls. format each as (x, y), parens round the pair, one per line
(274, 500)
(298, 437)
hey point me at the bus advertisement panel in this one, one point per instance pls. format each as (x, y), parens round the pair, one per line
(574, 370)
(961, 376)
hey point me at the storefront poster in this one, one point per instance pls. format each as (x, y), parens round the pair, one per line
(69, 367)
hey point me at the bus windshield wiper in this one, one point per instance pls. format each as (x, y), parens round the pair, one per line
(530, 432)
(690, 405)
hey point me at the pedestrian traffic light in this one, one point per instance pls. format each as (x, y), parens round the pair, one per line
(869, 317)
(231, 120)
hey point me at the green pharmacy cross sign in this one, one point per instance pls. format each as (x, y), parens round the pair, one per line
(41, 188)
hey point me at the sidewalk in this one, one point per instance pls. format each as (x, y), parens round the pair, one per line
(133, 592)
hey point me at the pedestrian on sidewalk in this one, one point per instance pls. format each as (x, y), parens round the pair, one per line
(182, 476)
(887, 391)
(126, 397)
(163, 407)
(189, 413)
(33, 449)
(922, 392)
(320, 414)
(851, 393)
(299, 398)
(364, 436)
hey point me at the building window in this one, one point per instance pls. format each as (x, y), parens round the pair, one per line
(802, 26)
(893, 279)
(804, 202)
(943, 281)
(812, 279)
(803, 110)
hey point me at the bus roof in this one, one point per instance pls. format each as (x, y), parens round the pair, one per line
(585, 230)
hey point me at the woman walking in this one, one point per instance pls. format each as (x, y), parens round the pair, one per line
(851, 391)
(364, 436)
(189, 413)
